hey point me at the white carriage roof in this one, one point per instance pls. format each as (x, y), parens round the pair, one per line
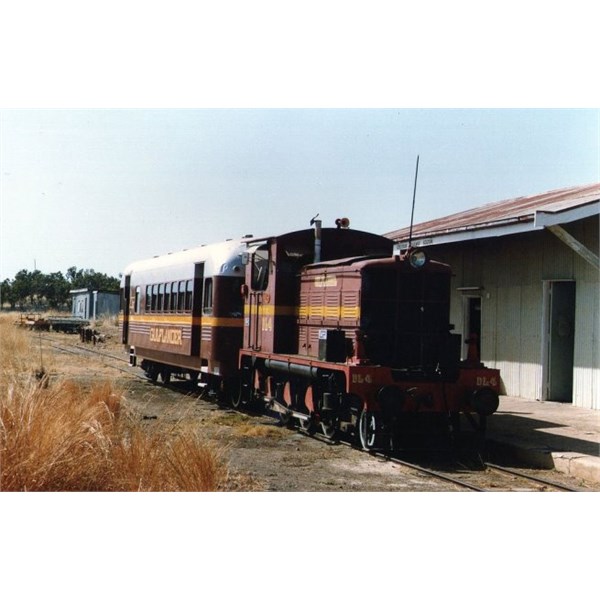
(213, 255)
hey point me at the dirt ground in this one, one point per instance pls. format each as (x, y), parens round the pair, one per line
(261, 454)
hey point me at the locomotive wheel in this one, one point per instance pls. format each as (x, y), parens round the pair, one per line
(165, 375)
(237, 400)
(242, 392)
(229, 391)
(368, 430)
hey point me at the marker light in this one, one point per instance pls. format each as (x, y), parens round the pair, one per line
(417, 259)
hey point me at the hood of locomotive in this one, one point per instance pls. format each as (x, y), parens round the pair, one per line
(405, 314)
(403, 311)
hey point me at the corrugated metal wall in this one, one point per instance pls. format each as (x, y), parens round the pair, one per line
(510, 272)
(586, 381)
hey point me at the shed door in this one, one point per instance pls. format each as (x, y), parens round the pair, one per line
(560, 337)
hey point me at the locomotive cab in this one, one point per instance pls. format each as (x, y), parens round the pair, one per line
(272, 284)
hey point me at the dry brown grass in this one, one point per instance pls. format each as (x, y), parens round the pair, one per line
(62, 437)
(241, 425)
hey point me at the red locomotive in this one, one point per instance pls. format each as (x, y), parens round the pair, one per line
(337, 332)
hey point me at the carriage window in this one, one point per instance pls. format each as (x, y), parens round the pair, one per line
(167, 305)
(161, 297)
(148, 306)
(207, 305)
(260, 269)
(138, 299)
(189, 292)
(154, 297)
(173, 303)
(181, 297)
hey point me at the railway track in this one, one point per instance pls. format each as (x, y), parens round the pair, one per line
(488, 477)
(539, 480)
(89, 352)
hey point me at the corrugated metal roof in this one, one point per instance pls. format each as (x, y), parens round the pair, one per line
(503, 213)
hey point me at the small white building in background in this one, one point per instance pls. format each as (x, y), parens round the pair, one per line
(527, 283)
(94, 304)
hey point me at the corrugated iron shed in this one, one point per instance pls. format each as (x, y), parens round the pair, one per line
(506, 216)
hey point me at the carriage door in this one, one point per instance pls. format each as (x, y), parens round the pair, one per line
(197, 308)
(256, 321)
(559, 338)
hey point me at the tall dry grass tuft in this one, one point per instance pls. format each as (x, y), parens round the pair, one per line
(63, 437)
(54, 439)
(159, 461)
(19, 349)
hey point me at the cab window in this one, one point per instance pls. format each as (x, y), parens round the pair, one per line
(260, 269)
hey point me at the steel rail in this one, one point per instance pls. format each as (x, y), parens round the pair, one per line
(541, 480)
(431, 472)
(84, 349)
(77, 350)
(409, 465)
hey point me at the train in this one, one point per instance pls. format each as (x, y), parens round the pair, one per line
(332, 329)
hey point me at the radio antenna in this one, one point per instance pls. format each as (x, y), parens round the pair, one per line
(412, 212)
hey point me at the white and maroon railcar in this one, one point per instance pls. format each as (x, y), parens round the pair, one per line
(182, 313)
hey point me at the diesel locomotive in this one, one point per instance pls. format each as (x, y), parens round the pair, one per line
(328, 327)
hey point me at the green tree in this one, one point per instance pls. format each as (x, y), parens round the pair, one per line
(28, 286)
(7, 294)
(33, 288)
(56, 290)
(88, 278)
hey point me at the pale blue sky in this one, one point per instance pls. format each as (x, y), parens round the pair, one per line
(100, 188)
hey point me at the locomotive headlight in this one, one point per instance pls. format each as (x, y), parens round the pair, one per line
(417, 259)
